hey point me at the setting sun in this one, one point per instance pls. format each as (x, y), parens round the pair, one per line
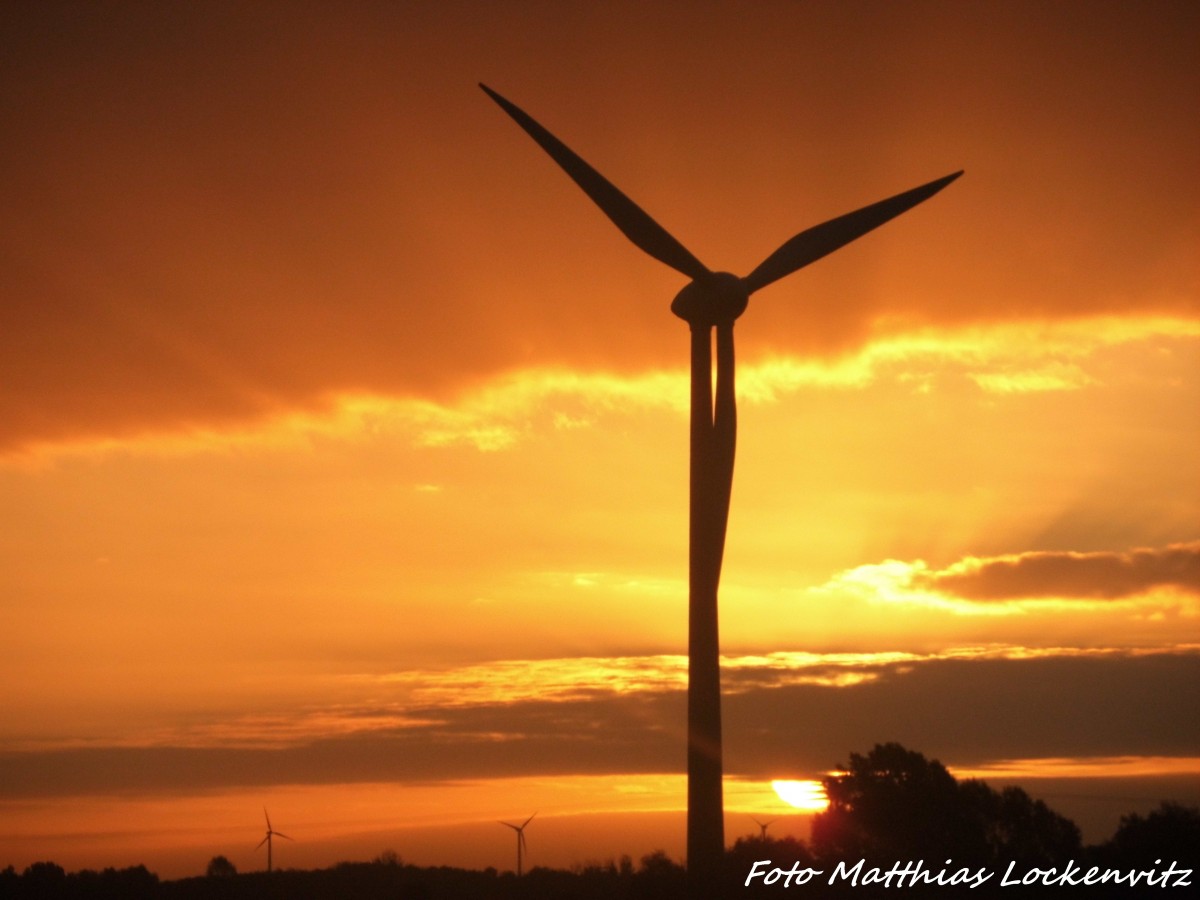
(805, 795)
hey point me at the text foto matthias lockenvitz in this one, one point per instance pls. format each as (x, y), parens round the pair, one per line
(915, 873)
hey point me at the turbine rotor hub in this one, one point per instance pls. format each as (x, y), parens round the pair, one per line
(715, 299)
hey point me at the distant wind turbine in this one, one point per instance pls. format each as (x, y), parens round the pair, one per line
(267, 840)
(763, 827)
(521, 845)
(712, 300)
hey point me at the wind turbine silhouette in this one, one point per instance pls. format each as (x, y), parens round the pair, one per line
(267, 840)
(763, 827)
(710, 301)
(521, 845)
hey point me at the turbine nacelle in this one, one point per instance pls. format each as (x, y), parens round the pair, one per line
(710, 300)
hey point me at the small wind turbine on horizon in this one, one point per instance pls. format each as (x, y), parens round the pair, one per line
(710, 301)
(763, 827)
(522, 847)
(270, 834)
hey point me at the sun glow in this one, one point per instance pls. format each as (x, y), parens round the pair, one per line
(805, 795)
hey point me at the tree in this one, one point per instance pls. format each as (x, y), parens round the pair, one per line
(893, 803)
(132, 883)
(46, 873)
(1170, 832)
(658, 864)
(388, 857)
(659, 877)
(1016, 827)
(220, 867)
(43, 879)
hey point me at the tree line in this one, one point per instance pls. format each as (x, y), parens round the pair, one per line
(891, 810)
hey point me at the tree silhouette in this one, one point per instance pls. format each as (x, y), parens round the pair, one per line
(220, 867)
(1172, 831)
(43, 879)
(659, 877)
(1016, 827)
(893, 803)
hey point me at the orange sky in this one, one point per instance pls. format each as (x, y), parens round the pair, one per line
(343, 442)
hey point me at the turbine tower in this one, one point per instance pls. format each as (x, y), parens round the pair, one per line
(267, 840)
(710, 302)
(521, 845)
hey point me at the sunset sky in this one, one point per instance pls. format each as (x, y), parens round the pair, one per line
(343, 442)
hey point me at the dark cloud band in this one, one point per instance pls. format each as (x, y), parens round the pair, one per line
(964, 711)
(1101, 576)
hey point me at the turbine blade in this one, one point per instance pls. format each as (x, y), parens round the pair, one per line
(267, 817)
(260, 843)
(510, 825)
(634, 222)
(282, 835)
(527, 821)
(821, 240)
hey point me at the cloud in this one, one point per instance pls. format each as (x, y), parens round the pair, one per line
(1085, 767)
(968, 711)
(209, 232)
(970, 707)
(499, 412)
(1057, 575)
(1148, 581)
(1051, 377)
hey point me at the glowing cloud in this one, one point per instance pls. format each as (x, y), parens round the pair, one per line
(1099, 575)
(1083, 767)
(1166, 577)
(500, 412)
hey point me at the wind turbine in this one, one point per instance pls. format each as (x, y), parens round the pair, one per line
(710, 301)
(763, 827)
(267, 840)
(521, 846)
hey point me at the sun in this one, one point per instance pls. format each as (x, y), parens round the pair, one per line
(806, 795)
